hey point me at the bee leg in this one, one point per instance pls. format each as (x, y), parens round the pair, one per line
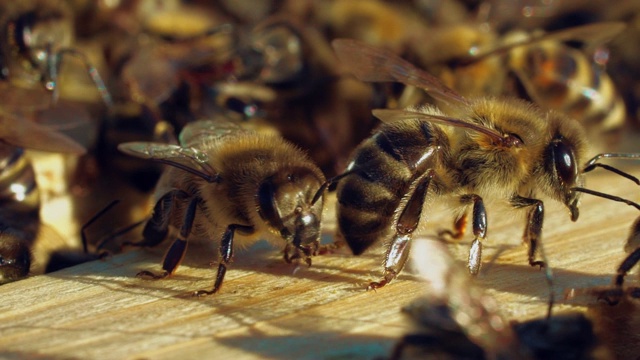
(398, 250)
(330, 248)
(479, 224)
(157, 228)
(627, 264)
(226, 254)
(533, 231)
(613, 295)
(459, 228)
(175, 254)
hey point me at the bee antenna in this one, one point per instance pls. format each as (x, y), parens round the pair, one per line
(118, 232)
(593, 163)
(606, 196)
(329, 183)
(85, 246)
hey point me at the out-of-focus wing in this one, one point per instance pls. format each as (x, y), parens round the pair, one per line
(369, 63)
(20, 99)
(28, 134)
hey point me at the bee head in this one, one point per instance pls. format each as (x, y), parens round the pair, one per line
(287, 203)
(561, 172)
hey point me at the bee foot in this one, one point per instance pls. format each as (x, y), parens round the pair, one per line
(149, 275)
(376, 285)
(538, 263)
(201, 293)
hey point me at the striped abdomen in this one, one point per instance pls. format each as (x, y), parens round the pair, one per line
(383, 167)
(559, 77)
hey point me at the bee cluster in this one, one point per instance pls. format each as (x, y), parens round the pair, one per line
(260, 110)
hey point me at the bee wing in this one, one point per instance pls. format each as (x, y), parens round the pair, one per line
(186, 158)
(209, 130)
(28, 134)
(591, 34)
(388, 115)
(64, 115)
(16, 98)
(369, 63)
(475, 311)
(150, 75)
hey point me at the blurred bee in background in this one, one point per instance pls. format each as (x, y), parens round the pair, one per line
(620, 54)
(378, 23)
(459, 320)
(19, 196)
(468, 152)
(539, 67)
(232, 187)
(36, 37)
(313, 104)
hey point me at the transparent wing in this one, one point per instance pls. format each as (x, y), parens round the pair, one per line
(64, 115)
(387, 115)
(28, 134)
(592, 34)
(201, 131)
(186, 158)
(373, 64)
(15, 98)
(150, 75)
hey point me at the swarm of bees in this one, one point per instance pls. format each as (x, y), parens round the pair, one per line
(226, 123)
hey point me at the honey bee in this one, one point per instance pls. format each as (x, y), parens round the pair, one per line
(315, 106)
(458, 320)
(468, 152)
(36, 36)
(541, 68)
(232, 186)
(19, 196)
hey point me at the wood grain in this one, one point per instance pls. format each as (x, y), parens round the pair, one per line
(268, 310)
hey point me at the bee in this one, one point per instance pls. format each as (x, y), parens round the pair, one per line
(539, 67)
(19, 196)
(232, 186)
(315, 106)
(469, 151)
(36, 36)
(458, 320)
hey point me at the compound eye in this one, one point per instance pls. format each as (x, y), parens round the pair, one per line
(564, 162)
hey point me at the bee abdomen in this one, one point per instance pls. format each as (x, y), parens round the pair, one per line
(382, 171)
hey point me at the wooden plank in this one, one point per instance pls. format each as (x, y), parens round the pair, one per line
(268, 310)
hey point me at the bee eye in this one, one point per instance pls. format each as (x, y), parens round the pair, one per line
(564, 161)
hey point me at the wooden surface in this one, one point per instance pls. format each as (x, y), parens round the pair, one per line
(268, 310)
